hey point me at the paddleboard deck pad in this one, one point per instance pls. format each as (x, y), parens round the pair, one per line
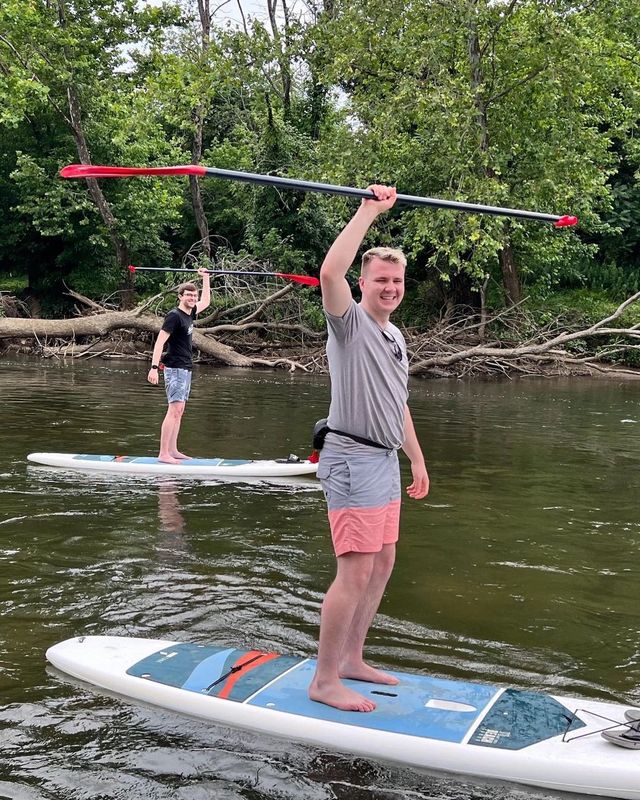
(188, 467)
(477, 729)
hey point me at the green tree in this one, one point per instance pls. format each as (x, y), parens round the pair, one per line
(67, 61)
(497, 103)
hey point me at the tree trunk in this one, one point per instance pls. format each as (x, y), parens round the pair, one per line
(103, 324)
(477, 85)
(122, 252)
(281, 55)
(75, 113)
(482, 327)
(194, 185)
(199, 115)
(318, 91)
(510, 276)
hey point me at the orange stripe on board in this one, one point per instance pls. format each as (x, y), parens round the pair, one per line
(233, 679)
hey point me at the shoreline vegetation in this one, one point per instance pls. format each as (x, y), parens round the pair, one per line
(277, 328)
(528, 107)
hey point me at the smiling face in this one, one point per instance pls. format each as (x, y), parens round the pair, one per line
(382, 287)
(188, 297)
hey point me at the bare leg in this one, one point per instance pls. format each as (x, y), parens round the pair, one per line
(352, 664)
(169, 433)
(340, 603)
(173, 440)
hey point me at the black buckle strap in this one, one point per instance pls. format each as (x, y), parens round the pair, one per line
(321, 429)
(359, 439)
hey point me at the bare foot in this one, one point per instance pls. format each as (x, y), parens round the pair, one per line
(178, 454)
(168, 460)
(340, 697)
(363, 672)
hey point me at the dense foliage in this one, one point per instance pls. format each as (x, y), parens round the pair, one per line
(527, 103)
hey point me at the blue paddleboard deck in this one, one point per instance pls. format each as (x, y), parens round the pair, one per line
(424, 721)
(419, 705)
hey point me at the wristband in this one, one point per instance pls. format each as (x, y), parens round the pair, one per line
(154, 366)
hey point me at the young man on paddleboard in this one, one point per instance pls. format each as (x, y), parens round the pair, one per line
(361, 476)
(176, 332)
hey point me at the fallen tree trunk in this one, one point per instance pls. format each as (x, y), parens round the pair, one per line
(453, 349)
(105, 323)
(101, 323)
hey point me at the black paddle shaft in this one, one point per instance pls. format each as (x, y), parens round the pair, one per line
(329, 188)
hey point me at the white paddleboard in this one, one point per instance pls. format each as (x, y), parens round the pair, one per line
(474, 729)
(187, 468)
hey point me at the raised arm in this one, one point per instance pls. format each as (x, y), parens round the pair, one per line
(336, 294)
(205, 294)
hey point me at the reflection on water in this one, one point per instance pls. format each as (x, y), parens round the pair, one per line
(519, 568)
(171, 520)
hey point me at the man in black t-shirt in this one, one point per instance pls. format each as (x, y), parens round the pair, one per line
(176, 334)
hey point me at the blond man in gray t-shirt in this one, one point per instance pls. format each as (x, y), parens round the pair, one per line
(369, 375)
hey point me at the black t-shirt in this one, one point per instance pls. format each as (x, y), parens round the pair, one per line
(179, 325)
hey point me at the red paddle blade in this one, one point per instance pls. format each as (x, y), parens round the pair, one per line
(94, 171)
(566, 222)
(131, 268)
(307, 280)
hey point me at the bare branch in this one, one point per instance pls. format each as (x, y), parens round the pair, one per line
(528, 77)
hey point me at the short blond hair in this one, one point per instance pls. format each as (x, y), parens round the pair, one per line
(391, 254)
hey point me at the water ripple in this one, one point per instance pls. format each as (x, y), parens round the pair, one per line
(510, 573)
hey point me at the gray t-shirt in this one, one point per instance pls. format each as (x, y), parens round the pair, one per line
(368, 380)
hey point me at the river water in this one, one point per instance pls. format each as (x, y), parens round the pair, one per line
(520, 567)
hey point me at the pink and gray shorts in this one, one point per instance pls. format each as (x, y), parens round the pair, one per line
(363, 499)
